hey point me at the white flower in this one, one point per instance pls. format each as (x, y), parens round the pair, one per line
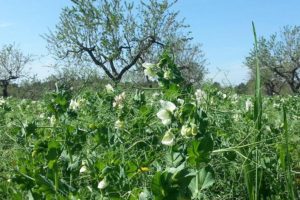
(109, 88)
(248, 104)
(2, 101)
(180, 101)
(119, 100)
(189, 130)
(155, 95)
(165, 116)
(167, 105)
(102, 184)
(150, 70)
(52, 120)
(82, 169)
(119, 124)
(143, 195)
(268, 128)
(236, 117)
(74, 104)
(276, 105)
(200, 95)
(169, 138)
(194, 129)
(185, 131)
(166, 111)
(234, 98)
(168, 75)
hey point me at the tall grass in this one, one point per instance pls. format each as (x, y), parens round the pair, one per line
(257, 113)
(252, 175)
(285, 159)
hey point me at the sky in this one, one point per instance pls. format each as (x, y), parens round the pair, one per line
(223, 27)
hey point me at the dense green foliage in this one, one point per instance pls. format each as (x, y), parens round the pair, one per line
(172, 142)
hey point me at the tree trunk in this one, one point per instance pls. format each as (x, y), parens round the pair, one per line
(5, 89)
(294, 87)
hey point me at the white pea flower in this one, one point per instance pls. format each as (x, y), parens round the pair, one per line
(119, 101)
(234, 98)
(200, 95)
(52, 120)
(168, 139)
(109, 88)
(194, 129)
(166, 111)
(167, 105)
(42, 115)
(82, 169)
(2, 101)
(221, 94)
(102, 184)
(150, 70)
(248, 105)
(23, 101)
(185, 131)
(180, 101)
(143, 195)
(189, 130)
(224, 96)
(74, 104)
(168, 75)
(236, 117)
(276, 105)
(282, 100)
(119, 124)
(165, 117)
(155, 95)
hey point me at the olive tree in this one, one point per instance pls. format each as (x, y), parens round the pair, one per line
(12, 63)
(117, 35)
(279, 60)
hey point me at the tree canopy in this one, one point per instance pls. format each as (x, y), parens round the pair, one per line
(12, 63)
(118, 35)
(279, 58)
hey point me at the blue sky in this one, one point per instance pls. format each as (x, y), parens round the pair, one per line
(223, 27)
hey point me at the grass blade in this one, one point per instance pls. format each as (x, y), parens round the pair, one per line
(286, 164)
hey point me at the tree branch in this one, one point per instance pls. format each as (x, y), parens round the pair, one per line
(151, 40)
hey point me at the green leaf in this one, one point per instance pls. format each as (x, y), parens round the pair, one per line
(199, 151)
(53, 150)
(157, 186)
(204, 179)
(172, 92)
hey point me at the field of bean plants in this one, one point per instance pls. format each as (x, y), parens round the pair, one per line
(171, 142)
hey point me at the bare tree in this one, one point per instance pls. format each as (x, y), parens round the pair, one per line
(12, 63)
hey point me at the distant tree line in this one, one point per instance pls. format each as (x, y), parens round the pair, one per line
(118, 36)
